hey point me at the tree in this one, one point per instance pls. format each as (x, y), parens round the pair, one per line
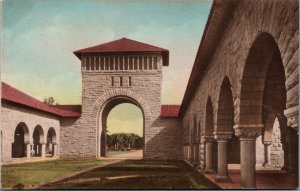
(49, 101)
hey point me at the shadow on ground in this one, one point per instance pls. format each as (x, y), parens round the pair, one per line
(138, 174)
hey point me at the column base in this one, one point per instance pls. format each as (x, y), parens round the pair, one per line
(209, 172)
(267, 165)
(223, 179)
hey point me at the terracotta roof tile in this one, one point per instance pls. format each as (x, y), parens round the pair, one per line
(11, 94)
(171, 111)
(124, 45)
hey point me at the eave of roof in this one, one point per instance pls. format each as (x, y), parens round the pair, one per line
(13, 95)
(219, 16)
(124, 45)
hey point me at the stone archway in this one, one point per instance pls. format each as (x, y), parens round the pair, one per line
(21, 138)
(263, 93)
(51, 145)
(224, 132)
(38, 141)
(210, 143)
(109, 100)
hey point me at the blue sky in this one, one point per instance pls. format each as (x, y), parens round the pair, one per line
(39, 37)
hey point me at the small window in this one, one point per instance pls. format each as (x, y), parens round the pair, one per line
(112, 81)
(83, 64)
(130, 63)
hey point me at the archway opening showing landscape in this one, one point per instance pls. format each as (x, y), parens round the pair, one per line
(122, 132)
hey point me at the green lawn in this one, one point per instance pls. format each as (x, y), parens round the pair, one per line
(38, 172)
(138, 174)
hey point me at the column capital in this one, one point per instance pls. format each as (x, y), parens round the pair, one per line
(208, 139)
(222, 136)
(248, 131)
(267, 142)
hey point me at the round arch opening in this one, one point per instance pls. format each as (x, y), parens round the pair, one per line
(112, 138)
(21, 136)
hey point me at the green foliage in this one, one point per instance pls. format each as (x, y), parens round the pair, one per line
(118, 141)
(49, 101)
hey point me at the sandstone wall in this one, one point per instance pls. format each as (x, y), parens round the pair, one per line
(250, 19)
(12, 115)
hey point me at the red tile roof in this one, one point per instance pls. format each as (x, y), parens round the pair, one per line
(124, 45)
(170, 111)
(11, 94)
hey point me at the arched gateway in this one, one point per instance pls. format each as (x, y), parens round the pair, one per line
(122, 71)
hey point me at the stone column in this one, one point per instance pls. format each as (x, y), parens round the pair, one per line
(28, 149)
(55, 153)
(248, 135)
(209, 154)
(43, 150)
(267, 149)
(222, 139)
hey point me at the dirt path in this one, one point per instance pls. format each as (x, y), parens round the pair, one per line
(134, 154)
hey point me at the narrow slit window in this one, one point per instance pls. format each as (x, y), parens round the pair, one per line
(87, 63)
(150, 63)
(121, 81)
(145, 63)
(112, 81)
(101, 63)
(97, 63)
(111, 63)
(121, 63)
(135, 63)
(92, 63)
(129, 81)
(116, 63)
(155, 63)
(126, 63)
(140, 63)
(106, 63)
(130, 63)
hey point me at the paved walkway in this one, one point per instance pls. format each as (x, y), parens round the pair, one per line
(133, 154)
(265, 179)
(31, 159)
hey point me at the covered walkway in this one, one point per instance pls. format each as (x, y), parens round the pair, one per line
(265, 179)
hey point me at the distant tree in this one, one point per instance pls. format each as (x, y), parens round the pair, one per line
(49, 101)
(125, 140)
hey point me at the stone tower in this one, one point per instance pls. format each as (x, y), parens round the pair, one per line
(121, 71)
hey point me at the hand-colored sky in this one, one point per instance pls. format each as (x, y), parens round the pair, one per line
(39, 37)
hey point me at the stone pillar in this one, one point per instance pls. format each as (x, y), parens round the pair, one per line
(43, 150)
(28, 149)
(248, 135)
(55, 153)
(267, 149)
(222, 139)
(209, 154)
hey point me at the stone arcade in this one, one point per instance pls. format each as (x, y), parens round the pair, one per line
(242, 97)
